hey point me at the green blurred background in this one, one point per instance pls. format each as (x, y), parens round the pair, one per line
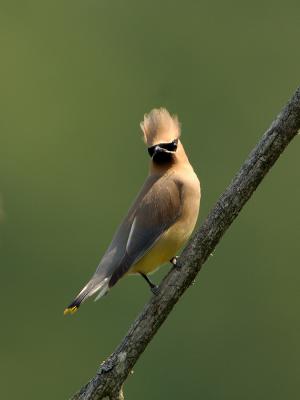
(76, 78)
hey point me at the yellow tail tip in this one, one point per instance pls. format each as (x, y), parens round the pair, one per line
(71, 310)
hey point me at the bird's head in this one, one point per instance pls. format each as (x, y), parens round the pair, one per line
(161, 135)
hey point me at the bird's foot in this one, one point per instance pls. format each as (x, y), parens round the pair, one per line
(155, 290)
(174, 261)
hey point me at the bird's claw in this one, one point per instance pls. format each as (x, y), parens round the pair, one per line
(155, 290)
(174, 261)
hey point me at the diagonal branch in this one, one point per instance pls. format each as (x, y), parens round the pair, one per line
(107, 383)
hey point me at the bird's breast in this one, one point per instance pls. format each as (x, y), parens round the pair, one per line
(177, 235)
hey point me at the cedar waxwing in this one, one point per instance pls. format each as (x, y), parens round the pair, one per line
(161, 218)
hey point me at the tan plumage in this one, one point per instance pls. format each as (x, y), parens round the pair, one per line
(161, 218)
(159, 127)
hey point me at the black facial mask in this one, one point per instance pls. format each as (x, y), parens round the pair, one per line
(166, 146)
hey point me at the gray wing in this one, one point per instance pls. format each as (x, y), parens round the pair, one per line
(153, 213)
(156, 208)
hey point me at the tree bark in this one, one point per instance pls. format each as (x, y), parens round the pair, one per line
(112, 373)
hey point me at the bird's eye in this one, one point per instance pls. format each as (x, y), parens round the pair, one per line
(175, 144)
(170, 146)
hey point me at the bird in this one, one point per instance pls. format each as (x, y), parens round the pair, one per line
(161, 218)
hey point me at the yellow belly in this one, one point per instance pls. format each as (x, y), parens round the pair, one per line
(163, 251)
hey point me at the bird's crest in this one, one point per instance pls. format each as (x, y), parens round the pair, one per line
(160, 127)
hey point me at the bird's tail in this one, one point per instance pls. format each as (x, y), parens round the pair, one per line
(90, 288)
